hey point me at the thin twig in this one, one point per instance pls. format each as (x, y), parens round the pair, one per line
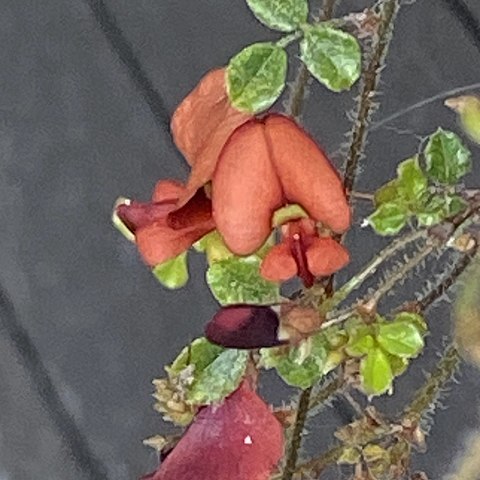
(357, 280)
(426, 396)
(299, 87)
(371, 78)
(296, 442)
(436, 293)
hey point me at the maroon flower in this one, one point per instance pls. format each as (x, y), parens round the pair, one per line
(244, 326)
(239, 439)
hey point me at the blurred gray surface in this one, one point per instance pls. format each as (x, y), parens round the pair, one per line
(76, 132)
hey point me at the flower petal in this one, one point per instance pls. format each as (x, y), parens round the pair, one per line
(326, 256)
(202, 124)
(198, 210)
(158, 243)
(238, 440)
(245, 190)
(306, 174)
(136, 215)
(279, 264)
(168, 190)
(244, 326)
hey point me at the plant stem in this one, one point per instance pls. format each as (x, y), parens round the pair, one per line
(296, 442)
(426, 396)
(433, 295)
(297, 96)
(366, 104)
(326, 392)
(401, 272)
(357, 280)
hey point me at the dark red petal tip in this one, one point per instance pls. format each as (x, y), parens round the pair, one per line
(136, 215)
(244, 326)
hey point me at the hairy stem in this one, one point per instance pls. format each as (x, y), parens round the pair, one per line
(433, 295)
(357, 280)
(296, 442)
(370, 82)
(426, 396)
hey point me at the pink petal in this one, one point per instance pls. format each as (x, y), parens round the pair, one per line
(306, 174)
(244, 326)
(279, 264)
(202, 124)
(245, 189)
(239, 439)
(326, 256)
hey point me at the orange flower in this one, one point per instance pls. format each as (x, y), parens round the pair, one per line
(156, 240)
(266, 164)
(201, 125)
(304, 253)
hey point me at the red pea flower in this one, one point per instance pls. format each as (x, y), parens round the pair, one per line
(266, 164)
(159, 238)
(240, 439)
(304, 253)
(244, 327)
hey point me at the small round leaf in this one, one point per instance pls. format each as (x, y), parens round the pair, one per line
(332, 56)
(389, 218)
(219, 378)
(237, 280)
(173, 273)
(282, 15)
(402, 339)
(376, 372)
(256, 77)
(447, 158)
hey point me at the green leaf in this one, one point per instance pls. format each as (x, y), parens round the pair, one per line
(389, 218)
(376, 372)
(200, 353)
(282, 15)
(173, 273)
(398, 364)
(219, 378)
(412, 182)
(360, 346)
(293, 367)
(208, 372)
(413, 318)
(454, 204)
(387, 193)
(238, 280)
(400, 338)
(439, 208)
(447, 158)
(332, 56)
(256, 77)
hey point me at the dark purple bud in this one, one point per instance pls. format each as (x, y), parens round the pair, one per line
(244, 326)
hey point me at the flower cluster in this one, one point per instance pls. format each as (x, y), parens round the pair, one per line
(245, 169)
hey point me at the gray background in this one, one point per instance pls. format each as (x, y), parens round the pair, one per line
(80, 125)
